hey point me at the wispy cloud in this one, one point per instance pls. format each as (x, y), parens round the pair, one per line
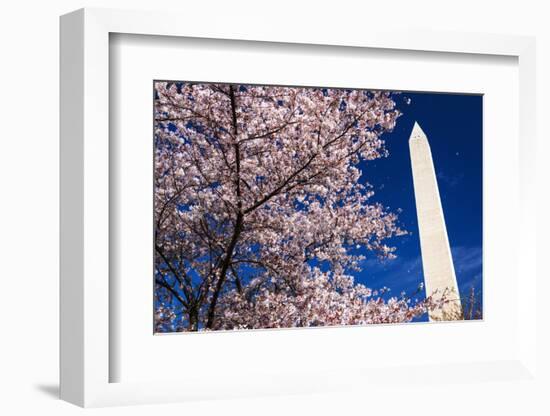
(467, 259)
(449, 180)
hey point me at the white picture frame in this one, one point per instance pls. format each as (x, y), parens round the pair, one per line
(85, 220)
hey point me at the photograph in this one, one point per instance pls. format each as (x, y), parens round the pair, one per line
(309, 206)
(239, 208)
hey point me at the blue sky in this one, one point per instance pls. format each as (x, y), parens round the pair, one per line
(453, 124)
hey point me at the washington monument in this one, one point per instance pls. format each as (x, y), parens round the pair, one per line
(437, 262)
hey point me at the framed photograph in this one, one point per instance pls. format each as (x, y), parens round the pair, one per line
(280, 213)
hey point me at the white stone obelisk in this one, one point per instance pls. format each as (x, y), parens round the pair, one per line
(437, 261)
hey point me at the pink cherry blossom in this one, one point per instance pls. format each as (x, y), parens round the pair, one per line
(260, 211)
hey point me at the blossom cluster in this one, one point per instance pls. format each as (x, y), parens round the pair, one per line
(320, 301)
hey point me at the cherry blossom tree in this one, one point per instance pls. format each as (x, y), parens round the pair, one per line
(261, 219)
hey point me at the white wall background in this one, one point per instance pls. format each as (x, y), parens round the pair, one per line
(29, 56)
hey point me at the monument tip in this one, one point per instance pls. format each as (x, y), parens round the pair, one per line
(417, 132)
